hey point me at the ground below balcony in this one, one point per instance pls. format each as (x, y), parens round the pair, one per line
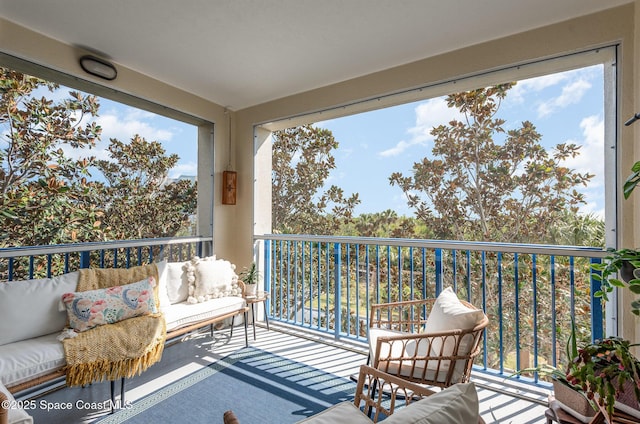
(500, 401)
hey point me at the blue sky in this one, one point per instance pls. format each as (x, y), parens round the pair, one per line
(565, 107)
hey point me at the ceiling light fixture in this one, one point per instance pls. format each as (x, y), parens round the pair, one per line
(98, 67)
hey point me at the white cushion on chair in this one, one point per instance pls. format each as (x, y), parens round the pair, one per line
(455, 405)
(447, 314)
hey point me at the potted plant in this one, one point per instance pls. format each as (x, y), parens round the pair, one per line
(621, 261)
(570, 396)
(250, 276)
(607, 372)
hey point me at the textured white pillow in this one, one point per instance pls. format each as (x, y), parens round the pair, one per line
(210, 278)
(447, 314)
(457, 404)
(30, 308)
(174, 279)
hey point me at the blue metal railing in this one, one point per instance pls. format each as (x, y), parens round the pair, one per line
(529, 292)
(48, 261)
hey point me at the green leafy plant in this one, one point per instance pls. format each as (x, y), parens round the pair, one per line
(632, 180)
(619, 259)
(607, 274)
(602, 368)
(250, 274)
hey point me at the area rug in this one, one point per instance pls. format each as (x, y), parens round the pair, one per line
(258, 386)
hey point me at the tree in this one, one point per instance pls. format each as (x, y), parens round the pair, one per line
(302, 161)
(479, 188)
(46, 197)
(51, 193)
(137, 199)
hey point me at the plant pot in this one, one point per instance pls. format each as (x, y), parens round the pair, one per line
(250, 290)
(573, 402)
(626, 400)
(628, 272)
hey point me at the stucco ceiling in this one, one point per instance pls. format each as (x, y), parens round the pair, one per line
(240, 53)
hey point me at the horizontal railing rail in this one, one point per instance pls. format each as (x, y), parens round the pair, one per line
(529, 292)
(50, 260)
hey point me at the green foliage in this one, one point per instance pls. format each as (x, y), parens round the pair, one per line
(250, 275)
(46, 197)
(603, 368)
(479, 188)
(301, 164)
(138, 202)
(50, 190)
(607, 274)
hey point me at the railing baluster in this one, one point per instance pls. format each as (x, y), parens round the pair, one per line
(500, 315)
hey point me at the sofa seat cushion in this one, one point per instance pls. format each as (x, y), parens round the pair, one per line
(15, 415)
(343, 412)
(184, 313)
(27, 359)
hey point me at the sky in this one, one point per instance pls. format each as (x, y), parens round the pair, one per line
(565, 108)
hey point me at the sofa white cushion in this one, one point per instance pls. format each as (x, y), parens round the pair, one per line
(210, 278)
(15, 415)
(30, 307)
(454, 405)
(173, 278)
(341, 413)
(27, 359)
(163, 297)
(184, 313)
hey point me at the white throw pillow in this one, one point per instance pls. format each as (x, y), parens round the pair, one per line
(210, 278)
(30, 308)
(174, 280)
(457, 404)
(447, 314)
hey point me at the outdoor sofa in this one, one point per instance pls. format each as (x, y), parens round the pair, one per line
(190, 295)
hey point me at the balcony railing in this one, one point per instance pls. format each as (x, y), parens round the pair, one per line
(529, 292)
(47, 261)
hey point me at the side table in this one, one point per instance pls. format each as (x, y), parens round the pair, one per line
(261, 296)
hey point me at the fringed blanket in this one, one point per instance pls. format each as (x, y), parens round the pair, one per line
(120, 350)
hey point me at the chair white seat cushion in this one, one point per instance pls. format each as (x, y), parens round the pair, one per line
(27, 359)
(407, 350)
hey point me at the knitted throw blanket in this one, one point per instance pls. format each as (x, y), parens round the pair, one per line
(120, 350)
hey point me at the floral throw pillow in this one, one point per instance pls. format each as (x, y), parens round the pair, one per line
(91, 308)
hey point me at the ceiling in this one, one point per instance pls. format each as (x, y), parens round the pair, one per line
(240, 53)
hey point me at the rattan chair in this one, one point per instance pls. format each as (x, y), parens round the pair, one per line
(399, 346)
(378, 393)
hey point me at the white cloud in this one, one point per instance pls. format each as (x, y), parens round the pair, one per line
(429, 114)
(532, 85)
(572, 93)
(184, 169)
(592, 150)
(124, 126)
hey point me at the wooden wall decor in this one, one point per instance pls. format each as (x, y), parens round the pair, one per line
(229, 185)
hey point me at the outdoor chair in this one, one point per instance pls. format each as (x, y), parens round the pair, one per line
(429, 341)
